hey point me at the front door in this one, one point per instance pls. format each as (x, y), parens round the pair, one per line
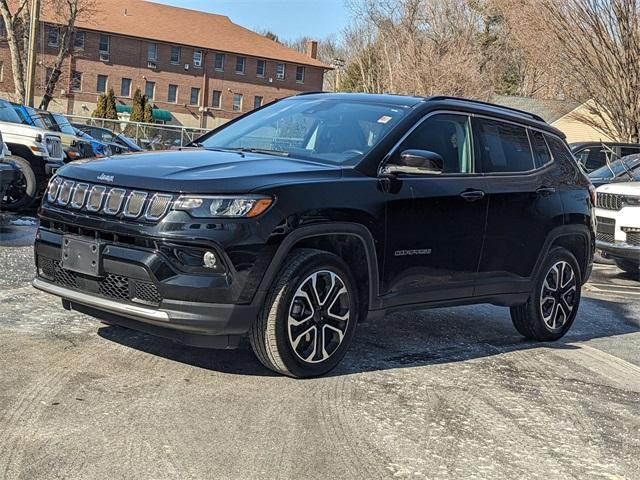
(435, 223)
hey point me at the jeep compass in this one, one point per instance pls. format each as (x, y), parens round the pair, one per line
(297, 221)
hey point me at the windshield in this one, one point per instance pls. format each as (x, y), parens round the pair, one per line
(33, 116)
(632, 162)
(8, 114)
(63, 123)
(328, 130)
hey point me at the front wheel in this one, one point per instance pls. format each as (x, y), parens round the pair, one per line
(309, 316)
(553, 305)
(22, 192)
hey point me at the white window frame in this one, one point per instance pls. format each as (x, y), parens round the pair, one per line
(284, 71)
(244, 64)
(77, 34)
(256, 97)
(130, 84)
(175, 100)
(304, 73)
(233, 104)
(264, 68)
(213, 96)
(155, 52)
(197, 58)
(197, 103)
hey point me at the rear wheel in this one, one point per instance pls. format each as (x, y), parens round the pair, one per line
(22, 192)
(309, 316)
(553, 306)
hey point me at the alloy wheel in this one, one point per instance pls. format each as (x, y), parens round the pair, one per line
(558, 296)
(318, 317)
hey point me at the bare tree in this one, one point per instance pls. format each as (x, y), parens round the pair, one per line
(600, 42)
(65, 13)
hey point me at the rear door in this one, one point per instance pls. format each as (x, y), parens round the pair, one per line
(524, 203)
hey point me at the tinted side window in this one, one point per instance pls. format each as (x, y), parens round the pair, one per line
(559, 149)
(502, 147)
(541, 154)
(447, 135)
(625, 151)
(592, 158)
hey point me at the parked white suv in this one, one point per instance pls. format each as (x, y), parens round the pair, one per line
(37, 153)
(618, 219)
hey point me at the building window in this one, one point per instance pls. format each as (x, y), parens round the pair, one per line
(237, 102)
(195, 96)
(125, 87)
(78, 40)
(76, 81)
(257, 101)
(152, 52)
(197, 58)
(150, 89)
(101, 84)
(216, 99)
(172, 95)
(300, 74)
(3, 29)
(240, 62)
(175, 55)
(260, 68)
(104, 43)
(219, 65)
(53, 36)
(280, 71)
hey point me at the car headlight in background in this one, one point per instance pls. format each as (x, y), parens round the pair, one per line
(223, 206)
(633, 201)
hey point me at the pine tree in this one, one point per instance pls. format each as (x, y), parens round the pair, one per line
(110, 110)
(137, 110)
(99, 112)
(148, 111)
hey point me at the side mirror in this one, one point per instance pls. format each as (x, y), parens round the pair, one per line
(417, 162)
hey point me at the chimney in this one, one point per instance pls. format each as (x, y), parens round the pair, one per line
(312, 49)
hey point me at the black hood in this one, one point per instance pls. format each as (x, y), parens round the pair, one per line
(198, 171)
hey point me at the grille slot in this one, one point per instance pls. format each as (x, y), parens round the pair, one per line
(54, 147)
(65, 192)
(115, 286)
(605, 237)
(146, 292)
(114, 201)
(633, 238)
(609, 201)
(95, 198)
(52, 270)
(135, 204)
(79, 195)
(54, 188)
(158, 206)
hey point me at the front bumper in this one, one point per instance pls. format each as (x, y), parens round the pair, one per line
(139, 288)
(620, 250)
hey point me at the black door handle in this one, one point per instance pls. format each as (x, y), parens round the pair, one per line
(546, 191)
(472, 195)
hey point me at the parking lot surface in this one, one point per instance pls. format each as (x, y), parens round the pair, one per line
(448, 393)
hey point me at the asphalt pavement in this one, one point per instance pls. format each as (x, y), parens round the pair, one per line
(447, 393)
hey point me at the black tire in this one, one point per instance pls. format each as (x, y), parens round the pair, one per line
(23, 192)
(535, 319)
(272, 333)
(630, 267)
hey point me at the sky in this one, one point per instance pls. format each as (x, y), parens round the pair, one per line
(289, 19)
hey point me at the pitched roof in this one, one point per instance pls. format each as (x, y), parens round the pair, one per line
(181, 26)
(550, 110)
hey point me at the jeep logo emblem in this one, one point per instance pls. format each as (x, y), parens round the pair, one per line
(105, 178)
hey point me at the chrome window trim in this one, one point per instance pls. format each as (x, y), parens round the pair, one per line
(125, 211)
(114, 191)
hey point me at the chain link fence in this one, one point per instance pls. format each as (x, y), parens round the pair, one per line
(150, 136)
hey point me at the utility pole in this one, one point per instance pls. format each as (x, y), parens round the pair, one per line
(32, 54)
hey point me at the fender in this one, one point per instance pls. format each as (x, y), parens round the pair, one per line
(356, 230)
(566, 231)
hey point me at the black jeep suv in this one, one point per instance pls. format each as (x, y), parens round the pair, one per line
(295, 222)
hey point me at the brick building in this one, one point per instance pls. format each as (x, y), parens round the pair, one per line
(199, 69)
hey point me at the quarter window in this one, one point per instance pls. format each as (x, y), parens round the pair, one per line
(502, 147)
(541, 154)
(559, 150)
(447, 135)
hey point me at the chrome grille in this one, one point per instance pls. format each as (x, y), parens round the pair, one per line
(135, 204)
(158, 206)
(95, 198)
(79, 195)
(54, 147)
(609, 201)
(114, 201)
(64, 194)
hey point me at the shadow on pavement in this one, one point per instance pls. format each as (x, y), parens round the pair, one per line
(405, 340)
(17, 230)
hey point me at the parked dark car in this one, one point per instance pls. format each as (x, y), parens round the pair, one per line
(100, 149)
(302, 218)
(626, 169)
(594, 155)
(109, 136)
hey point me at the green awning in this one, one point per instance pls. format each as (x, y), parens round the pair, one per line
(159, 114)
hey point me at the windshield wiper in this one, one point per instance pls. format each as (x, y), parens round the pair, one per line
(225, 150)
(264, 151)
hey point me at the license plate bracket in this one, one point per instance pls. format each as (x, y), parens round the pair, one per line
(82, 255)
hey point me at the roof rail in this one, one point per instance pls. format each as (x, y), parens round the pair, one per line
(515, 110)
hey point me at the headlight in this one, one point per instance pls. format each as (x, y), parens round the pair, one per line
(634, 201)
(223, 206)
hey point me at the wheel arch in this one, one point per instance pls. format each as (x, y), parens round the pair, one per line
(578, 239)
